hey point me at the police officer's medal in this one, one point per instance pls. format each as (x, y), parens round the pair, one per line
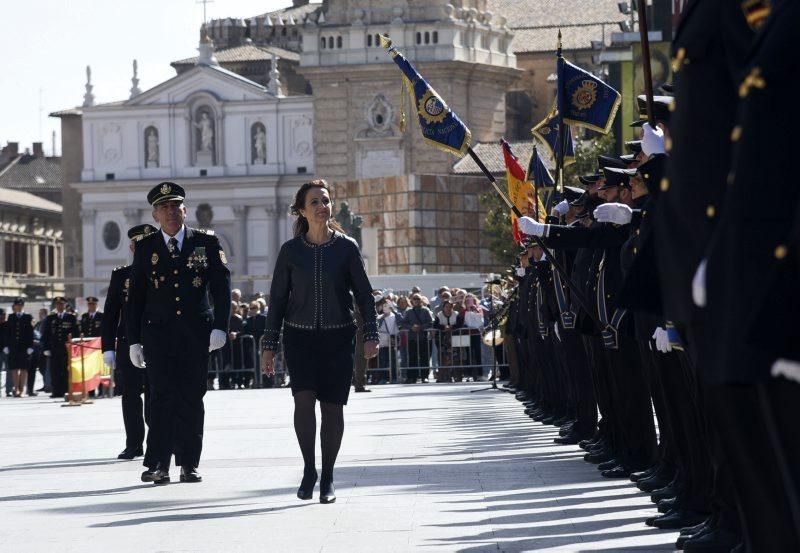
(154, 258)
(197, 282)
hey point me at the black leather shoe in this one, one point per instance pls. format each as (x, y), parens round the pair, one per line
(667, 505)
(550, 419)
(616, 472)
(677, 518)
(666, 492)
(697, 528)
(570, 438)
(160, 477)
(566, 429)
(306, 489)
(649, 485)
(642, 474)
(148, 475)
(606, 465)
(361, 390)
(327, 492)
(683, 538)
(130, 453)
(190, 475)
(714, 540)
(599, 457)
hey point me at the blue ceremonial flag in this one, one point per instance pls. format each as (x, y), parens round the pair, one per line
(440, 125)
(584, 100)
(546, 132)
(537, 172)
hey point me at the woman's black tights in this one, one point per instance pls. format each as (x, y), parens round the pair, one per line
(331, 431)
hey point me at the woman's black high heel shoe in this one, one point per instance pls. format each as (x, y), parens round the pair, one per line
(306, 489)
(327, 493)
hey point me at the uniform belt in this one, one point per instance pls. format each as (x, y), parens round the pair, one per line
(610, 333)
(567, 315)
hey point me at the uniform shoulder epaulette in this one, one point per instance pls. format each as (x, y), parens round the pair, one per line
(206, 231)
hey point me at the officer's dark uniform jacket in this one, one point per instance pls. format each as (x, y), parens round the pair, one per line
(313, 288)
(166, 290)
(709, 50)
(56, 331)
(609, 239)
(113, 323)
(91, 326)
(18, 338)
(748, 243)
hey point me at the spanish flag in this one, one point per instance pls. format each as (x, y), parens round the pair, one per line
(519, 189)
(86, 364)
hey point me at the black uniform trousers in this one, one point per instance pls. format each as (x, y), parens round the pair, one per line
(132, 382)
(176, 357)
(653, 369)
(585, 405)
(636, 447)
(598, 364)
(58, 371)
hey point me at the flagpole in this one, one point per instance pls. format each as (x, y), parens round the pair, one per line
(648, 77)
(582, 301)
(560, 140)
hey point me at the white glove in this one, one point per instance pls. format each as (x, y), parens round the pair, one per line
(787, 369)
(217, 339)
(662, 340)
(652, 140)
(699, 285)
(110, 358)
(532, 227)
(619, 214)
(521, 272)
(47, 353)
(29, 351)
(137, 355)
(6, 350)
(561, 208)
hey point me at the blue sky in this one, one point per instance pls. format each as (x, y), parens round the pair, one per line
(45, 45)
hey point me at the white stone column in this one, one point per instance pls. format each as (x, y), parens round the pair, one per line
(273, 234)
(88, 217)
(240, 212)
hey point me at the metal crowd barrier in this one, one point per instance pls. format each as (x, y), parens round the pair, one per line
(452, 356)
(244, 365)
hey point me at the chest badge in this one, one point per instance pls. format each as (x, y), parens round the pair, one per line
(197, 282)
(154, 258)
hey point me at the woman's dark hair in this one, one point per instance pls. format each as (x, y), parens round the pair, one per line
(301, 223)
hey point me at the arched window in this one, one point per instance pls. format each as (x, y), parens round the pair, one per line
(330, 43)
(377, 40)
(427, 37)
(436, 37)
(369, 40)
(283, 31)
(419, 38)
(322, 43)
(338, 42)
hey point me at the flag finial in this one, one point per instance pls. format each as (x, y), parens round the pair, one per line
(386, 42)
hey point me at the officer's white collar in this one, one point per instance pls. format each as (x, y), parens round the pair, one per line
(179, 237)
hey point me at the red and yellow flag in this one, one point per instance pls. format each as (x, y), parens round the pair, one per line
(519, 190)
(86, 365)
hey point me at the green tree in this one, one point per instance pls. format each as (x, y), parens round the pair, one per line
(497, 229)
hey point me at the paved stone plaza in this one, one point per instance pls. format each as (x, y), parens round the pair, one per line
(422, 468)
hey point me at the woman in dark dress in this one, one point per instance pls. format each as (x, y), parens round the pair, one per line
(316, 276)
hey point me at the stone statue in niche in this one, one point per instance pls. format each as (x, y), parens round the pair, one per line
(151, 147)
(259, 147)
(204, 215)
(350, 222)
(379, 114)
(204, 137)
(206, 132)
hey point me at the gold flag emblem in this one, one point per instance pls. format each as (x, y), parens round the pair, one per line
(165, 189)
(585, 96)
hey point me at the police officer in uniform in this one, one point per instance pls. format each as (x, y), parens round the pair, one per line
(19, 346)
(91, 321)
(131, 380)
(172, 327)
(58, 327)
